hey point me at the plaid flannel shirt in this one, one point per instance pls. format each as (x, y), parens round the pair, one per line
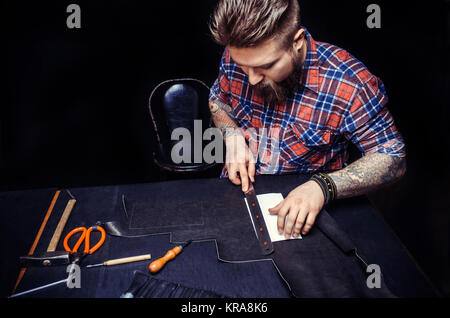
(336, 102)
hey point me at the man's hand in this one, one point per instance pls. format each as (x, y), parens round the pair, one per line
(240, 162)
(301, 207)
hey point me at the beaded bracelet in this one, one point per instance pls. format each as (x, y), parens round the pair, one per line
(327, 185)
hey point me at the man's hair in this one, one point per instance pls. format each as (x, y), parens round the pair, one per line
(247, 23)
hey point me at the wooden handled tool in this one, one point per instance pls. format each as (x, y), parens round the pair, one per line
(123, 260)
(156, 265)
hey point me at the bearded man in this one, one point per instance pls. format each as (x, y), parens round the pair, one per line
(287, 103)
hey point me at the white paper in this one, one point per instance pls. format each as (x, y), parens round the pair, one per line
(267, 201)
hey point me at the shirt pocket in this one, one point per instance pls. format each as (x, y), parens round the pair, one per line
(306, 148)
(314, 139)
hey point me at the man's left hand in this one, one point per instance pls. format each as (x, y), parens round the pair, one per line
(298, 211)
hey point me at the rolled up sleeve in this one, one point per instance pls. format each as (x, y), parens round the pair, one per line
(369, 124)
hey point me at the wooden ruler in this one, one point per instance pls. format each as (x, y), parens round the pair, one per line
(60, 227)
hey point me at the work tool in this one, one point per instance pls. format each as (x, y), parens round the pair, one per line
(38, 288)
(46, 259)
(37, 238)
(106, 263)
(85, 237)
(259, 225)
(68, 256)
(61, 224)
(75, 256)
(156, 265)
(52, 257)
(124, 260)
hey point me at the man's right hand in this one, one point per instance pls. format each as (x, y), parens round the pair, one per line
(240, 162)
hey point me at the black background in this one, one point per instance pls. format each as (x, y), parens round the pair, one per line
(74, 101)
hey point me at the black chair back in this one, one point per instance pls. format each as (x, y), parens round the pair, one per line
(173, 104)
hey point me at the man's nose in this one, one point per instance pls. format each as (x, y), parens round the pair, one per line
(254, 77)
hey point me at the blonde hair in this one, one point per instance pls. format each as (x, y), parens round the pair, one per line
(246, 23)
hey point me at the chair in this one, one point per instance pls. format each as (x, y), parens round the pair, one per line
(173, 104)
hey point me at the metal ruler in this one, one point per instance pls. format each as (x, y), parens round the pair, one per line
(259, 225)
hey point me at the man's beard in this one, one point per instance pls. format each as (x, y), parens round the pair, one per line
(274, 93)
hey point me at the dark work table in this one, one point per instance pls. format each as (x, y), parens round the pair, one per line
(210, 263)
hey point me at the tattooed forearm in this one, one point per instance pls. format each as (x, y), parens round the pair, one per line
(368, 173)
(222, 116)
(216, 105)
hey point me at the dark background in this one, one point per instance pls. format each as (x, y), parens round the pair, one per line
(74, 101)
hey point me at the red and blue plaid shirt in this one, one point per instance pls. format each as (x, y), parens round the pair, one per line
(336, 102)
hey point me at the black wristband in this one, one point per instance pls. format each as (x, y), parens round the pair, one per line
(327, 185)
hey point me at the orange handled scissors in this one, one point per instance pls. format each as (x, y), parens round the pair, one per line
(85, 237)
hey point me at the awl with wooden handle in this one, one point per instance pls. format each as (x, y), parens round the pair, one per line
(123, 260)
(107, 263)
(156, 265)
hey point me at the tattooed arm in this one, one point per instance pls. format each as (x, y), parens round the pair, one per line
(222, 116)
(367, 174)
(239, 162)
(303, 204)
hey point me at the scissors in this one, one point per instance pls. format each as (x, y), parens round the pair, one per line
(85, 237)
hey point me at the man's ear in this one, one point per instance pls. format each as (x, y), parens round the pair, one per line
(298, 39)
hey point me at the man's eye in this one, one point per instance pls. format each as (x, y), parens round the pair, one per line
(266, 67)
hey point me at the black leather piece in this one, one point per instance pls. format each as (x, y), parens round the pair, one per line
(121, 229)
(314, 267)
(322, 264)
(145, 286)
(188, 215)
(328, 226)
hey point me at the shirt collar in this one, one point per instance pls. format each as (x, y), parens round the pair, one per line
(310, 68)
